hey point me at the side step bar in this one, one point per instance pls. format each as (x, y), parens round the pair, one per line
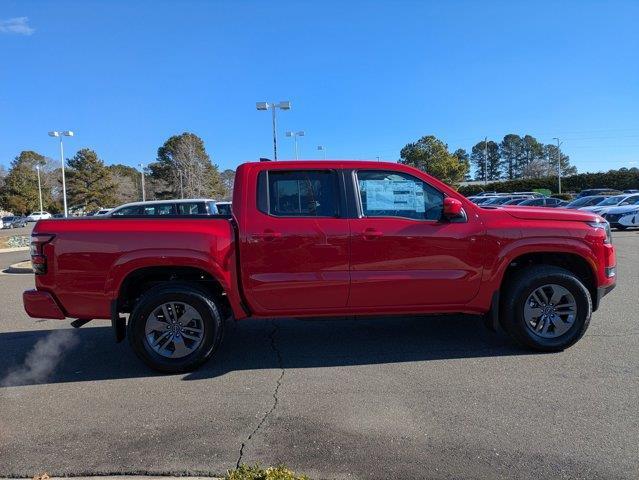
(80, 321)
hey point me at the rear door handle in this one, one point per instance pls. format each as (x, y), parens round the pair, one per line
(266, 235)
(372, 233)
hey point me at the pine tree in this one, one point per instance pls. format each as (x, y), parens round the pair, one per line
(485, 156)
(511, 150)
(20, 192)
(90, 184)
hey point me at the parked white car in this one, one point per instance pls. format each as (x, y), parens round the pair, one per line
(622, 217)
(610, 202)
(35, 216)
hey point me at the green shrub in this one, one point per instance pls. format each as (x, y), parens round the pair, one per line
(564, 196)
(245, 472)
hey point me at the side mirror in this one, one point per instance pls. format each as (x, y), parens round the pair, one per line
(452, 207)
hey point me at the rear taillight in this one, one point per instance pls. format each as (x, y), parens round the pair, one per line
(38, 258)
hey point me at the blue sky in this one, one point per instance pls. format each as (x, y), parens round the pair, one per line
(364, 78)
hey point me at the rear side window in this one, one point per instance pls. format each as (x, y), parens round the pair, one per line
(195, 208)
(302, 193)
(396, 194)
(159, 209)
(224, 209)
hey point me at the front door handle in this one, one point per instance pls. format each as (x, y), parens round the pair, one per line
(372, 234)
(266, 235)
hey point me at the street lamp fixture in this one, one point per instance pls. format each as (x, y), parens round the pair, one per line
(295, 135)
(283, 105)
(322, 149)
(60, 134)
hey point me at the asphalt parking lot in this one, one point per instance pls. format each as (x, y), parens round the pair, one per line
(377, 398)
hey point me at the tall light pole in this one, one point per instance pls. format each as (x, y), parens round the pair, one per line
(60, 134)
(142, 176)
(322, 149)
(39, 187)
(485, 160)
(558, 162)
(295, 135)
(283, 105)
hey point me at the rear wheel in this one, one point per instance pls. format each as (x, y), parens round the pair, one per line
(546, 308)
(175, 328)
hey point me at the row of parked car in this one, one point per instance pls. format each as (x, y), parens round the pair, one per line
(197, 206)
(620, 209)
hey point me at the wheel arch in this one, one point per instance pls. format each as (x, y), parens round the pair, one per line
(575, 263)
(140, 280)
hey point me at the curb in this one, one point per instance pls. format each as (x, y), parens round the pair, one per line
(21, 267)
(15, 249)
(119, 477)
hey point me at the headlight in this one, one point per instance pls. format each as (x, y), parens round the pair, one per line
(605, 226)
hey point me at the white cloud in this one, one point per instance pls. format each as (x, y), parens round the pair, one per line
(18, 26)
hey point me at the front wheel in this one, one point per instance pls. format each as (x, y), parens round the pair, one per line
(175, 328)
(546, 308)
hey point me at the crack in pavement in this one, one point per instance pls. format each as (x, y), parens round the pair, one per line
(280, 364)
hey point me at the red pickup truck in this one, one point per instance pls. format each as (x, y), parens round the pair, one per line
(323, 238)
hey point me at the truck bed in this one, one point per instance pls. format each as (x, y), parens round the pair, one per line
(89, 259)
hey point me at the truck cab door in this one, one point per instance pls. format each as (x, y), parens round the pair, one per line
(404, 253)
(295, 246)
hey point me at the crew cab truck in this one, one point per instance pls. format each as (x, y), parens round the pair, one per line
(323, 238)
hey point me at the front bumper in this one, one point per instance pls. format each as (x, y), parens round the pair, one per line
(601, 292)
(40, 304)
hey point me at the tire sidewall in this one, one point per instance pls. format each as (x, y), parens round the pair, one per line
(205, 307)
(515, 322)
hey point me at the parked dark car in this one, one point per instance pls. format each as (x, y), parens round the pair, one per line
(597, 191)
(587, 201)
(544, 202)
(14, 222)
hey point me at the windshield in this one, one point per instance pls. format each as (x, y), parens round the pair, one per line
(582, 202)
(611, 201)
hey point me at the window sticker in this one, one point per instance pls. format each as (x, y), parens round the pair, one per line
(393, 195)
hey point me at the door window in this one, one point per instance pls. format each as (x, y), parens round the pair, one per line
(127, 211)
(195, 208)
(306, 193)
(159, 209)
(396, 194)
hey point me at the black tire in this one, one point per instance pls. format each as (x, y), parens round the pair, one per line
(517, 292)
(620, 227)
(188, 294)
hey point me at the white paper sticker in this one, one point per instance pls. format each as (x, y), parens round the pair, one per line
(393, 195)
